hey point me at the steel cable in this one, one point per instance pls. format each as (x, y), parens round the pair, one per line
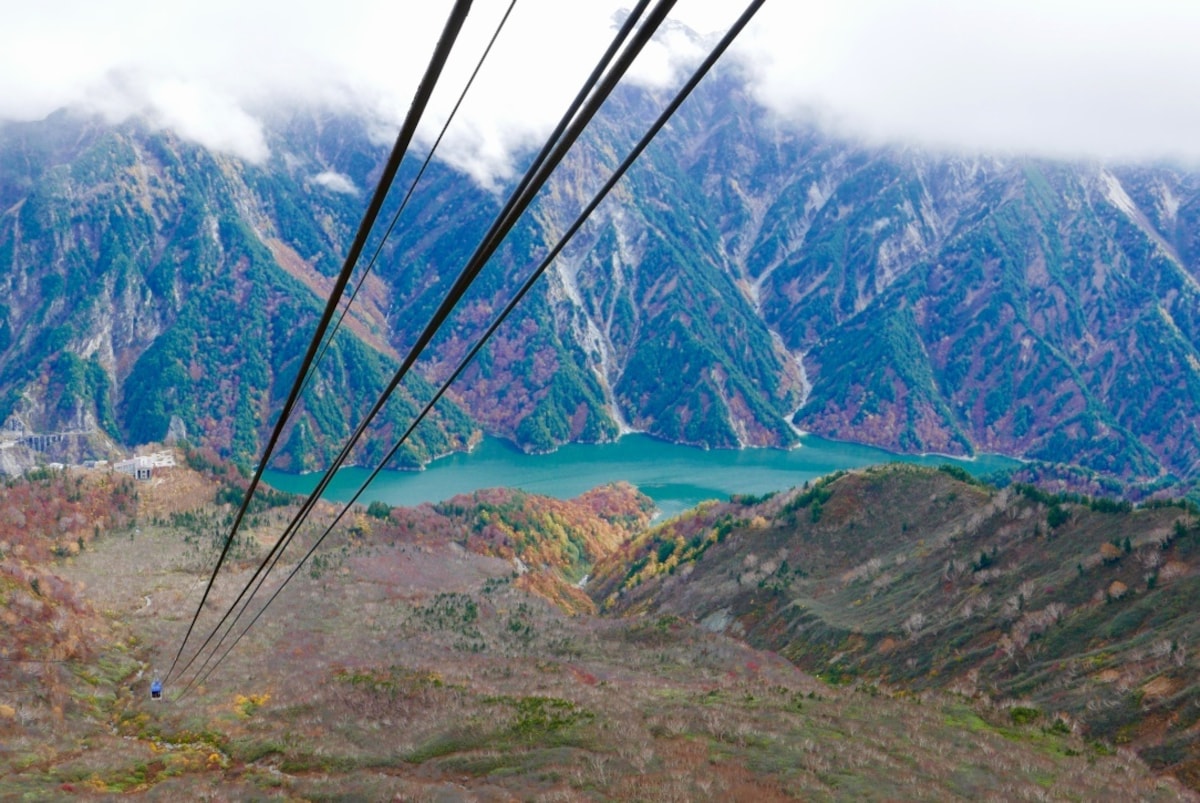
(598, 87)
(441, 53)
(684, 92)
(409, 194)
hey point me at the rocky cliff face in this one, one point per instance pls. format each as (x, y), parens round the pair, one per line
(147, 281)
(1050, 319)
(747, 278)
(947, 304)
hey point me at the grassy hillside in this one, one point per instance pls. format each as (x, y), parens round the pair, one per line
(410, 662)
(1075, 612)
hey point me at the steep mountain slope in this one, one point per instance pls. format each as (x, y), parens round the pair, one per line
(1049, 326)
(953, 304)
(149, 292)
(918, 579)
(749, 276)
(938, 303)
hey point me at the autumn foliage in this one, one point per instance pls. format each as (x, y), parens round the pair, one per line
(50, 513)
(44, 618)
(553, 542)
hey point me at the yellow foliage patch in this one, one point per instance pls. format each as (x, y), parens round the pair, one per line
(246, 705)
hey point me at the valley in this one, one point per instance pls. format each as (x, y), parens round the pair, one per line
(818, 465)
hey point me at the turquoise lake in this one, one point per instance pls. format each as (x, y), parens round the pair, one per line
(675, 477)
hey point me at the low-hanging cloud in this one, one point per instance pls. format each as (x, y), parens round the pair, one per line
(336, 182)
(1097, 80)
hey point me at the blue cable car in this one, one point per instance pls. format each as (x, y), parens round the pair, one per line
(156, 689)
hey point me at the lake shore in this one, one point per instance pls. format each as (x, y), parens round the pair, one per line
(676, 477)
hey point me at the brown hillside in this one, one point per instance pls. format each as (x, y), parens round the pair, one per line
(912, 577)
(401, 665)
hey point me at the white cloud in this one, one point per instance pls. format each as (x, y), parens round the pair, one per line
(1109, 80)
(1095, 79)
(666, 63)
(537, 66)
(209, 116)
(336, 182)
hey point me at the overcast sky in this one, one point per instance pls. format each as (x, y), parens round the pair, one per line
(1074, 79)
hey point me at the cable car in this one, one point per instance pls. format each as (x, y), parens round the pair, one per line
(156, 689)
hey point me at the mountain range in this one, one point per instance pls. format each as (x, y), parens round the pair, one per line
(750, 279)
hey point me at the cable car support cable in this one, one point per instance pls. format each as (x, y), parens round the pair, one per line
(597, 89)
(681, 96)
(548, 158)
(441, 53)
(408, 195)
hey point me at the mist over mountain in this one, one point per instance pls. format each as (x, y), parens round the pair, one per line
(748, 278)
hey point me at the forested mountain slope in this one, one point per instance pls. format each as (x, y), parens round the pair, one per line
(149, 282)
(746, 269)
